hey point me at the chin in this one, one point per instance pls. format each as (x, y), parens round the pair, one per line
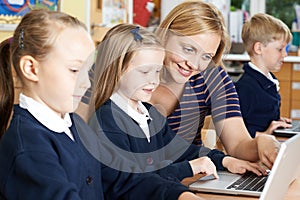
(145, 98)
(181, 79)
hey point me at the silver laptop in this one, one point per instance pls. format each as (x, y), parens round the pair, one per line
(273, 186)
(289, 132)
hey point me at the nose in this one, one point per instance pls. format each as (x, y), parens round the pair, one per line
(84, 79)
(195, 66)
(154, 79)
(285, 51)
(87, 81)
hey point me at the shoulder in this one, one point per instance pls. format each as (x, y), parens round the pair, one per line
(26, 135)
(216, 75)
(25, 127)
(108, 110)
(247, 80)
(111, 117)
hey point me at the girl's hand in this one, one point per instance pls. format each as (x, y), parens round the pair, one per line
(238, 166)
(189, 196)
(203, 165)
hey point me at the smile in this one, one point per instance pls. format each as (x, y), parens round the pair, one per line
(149, 91)
(184, 72)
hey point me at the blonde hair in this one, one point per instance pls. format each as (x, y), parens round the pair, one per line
(37, 33)
(264, 28)
(196, 17)
(117, 49)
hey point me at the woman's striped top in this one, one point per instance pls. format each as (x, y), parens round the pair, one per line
(208, 93)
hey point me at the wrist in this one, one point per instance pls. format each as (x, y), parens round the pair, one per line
(226, 160)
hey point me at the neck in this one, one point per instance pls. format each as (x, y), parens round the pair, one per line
(168, 82)
(261, 67)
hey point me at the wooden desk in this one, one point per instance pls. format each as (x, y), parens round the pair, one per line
(292, 194)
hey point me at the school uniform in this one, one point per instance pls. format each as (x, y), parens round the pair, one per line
(157, 150)
(259, 98)
(43, 157)
(40, 163)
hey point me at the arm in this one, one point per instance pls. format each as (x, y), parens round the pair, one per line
(38, 176)
(118, 181)
(232, 131)
(239, 144)
(122, 185)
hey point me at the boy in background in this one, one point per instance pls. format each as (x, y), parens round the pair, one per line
(265, 39)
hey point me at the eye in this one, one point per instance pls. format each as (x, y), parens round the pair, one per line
(74, 70)
(207, 57)
(188, 50)
(144, 72)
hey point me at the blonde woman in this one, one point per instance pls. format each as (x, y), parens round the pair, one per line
(194, 84)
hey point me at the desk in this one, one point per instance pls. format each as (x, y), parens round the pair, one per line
(293, 192)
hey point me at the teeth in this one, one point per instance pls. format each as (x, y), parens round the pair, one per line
(185, 71)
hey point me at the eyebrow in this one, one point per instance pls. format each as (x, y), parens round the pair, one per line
(190, 45)
(197, 50)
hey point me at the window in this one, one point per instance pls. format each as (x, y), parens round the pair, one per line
(283, 9)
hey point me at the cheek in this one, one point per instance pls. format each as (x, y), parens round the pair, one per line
(128, 86)
(174, 58)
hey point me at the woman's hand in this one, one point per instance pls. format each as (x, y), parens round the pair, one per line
(203, 165)
(268, 148)
(238, 166)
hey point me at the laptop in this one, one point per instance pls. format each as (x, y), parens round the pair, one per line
(289, 132)
(273, 186)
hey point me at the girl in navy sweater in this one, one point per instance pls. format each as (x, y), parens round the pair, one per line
(42, 152)
(126, 73)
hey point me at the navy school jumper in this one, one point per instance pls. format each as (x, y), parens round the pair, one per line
(259, 100)
(37, 163)
(167, 154)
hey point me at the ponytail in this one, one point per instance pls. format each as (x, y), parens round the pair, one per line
(6, 86)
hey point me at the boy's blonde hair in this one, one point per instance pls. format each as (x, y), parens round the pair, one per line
(264, 28)
(114, 54)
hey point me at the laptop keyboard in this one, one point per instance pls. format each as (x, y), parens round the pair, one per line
(249, 181)
(296, 129)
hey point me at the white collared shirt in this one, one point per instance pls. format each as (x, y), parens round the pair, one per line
(141, 118)
(46, 116)
(269, 75)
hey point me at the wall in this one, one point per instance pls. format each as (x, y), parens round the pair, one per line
(78, 9)
(5, 34)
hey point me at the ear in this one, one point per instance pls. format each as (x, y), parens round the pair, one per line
(257, 47)
(29, 68)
